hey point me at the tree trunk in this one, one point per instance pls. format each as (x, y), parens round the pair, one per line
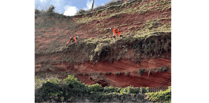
(92, 5)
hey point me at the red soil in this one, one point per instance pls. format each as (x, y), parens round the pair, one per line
(154, 80)
(122, 65)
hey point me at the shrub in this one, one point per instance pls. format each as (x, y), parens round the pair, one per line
(127, 73)
(71, 87)
(156, 70)
(110, 89)
(107, 73)
(162, 69)
(117, 73)
(134, 90)
(51, 9)
(165, 68)
(160, 96)
(50, 89)
(62, 89)
(141, 71)
(39, 82)
(81, 11)
(72, 82)
(95, 88)
(55, 81)
(37, 11)
(125, 90)
(129, 89)
(144, 90)
(97, 97)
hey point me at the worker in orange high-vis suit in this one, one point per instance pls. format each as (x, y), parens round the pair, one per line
(116, 32)
(113, 31)
(119, 33)
(72, 39)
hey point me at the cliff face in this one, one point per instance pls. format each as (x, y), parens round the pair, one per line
(141, 59)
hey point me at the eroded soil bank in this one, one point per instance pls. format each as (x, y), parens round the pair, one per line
(120, 73)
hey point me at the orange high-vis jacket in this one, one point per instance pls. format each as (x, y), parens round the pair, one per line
(71, 39)
(115, 33)
(118, 32)
(68, 42)
(113, 30)
(74, 39)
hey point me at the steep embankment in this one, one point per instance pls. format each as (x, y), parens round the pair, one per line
(141, 59)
